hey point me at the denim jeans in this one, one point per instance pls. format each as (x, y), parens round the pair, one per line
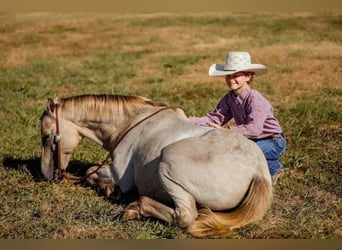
(273, 149)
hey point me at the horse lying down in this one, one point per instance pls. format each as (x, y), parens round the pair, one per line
(207, 181)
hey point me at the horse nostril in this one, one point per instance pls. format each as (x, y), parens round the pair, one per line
(57, 181)
(58, 175)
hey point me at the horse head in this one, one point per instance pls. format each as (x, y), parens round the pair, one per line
(58, 142)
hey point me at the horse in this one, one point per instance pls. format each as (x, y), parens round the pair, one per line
(205, 180)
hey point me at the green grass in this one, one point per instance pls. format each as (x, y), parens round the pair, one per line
(166, 57)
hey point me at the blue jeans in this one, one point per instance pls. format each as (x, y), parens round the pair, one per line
(273, 149)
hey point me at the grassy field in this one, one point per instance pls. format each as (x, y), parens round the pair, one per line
(166, 57)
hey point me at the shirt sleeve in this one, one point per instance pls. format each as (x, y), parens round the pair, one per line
(219, 116)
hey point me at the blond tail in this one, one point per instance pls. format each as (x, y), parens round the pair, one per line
(251, 209)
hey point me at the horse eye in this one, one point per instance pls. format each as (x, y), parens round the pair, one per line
(45, 138)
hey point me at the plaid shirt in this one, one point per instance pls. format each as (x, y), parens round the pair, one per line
(253, 114)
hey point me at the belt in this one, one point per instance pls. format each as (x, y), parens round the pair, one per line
(270, 137)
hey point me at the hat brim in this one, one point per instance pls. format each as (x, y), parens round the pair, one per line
(218, 70)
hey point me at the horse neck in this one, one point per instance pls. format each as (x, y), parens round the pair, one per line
(101, 125)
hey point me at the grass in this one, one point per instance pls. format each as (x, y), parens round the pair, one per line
(166, 57)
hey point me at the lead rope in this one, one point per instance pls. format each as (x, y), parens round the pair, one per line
(115, 146)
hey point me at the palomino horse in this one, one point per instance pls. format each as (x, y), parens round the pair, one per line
(206, 180)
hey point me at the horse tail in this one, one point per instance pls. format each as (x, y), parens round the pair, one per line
(252, 208)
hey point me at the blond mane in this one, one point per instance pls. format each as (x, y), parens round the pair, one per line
(99, 108)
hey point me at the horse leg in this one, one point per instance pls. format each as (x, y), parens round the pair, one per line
(148, 207)
(183, 215)
(100, 178)
(185, 204)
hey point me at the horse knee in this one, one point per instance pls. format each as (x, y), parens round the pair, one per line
(92, 178)
(100, 179)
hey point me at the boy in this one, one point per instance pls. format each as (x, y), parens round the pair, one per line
(253, 114)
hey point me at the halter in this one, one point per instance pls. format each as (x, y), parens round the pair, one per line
(57, 138)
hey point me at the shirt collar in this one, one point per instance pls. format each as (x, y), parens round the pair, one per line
(245, 93)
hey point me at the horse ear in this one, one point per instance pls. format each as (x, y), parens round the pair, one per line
(51, 105)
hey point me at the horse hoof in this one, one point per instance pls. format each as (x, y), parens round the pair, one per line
(132, 211)
(131, 214)
(108, 189)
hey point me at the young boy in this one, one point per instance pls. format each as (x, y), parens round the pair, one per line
(253, 114)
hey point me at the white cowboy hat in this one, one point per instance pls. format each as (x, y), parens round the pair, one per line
(237, 61)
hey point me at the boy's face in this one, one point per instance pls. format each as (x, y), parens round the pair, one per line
(238, 81)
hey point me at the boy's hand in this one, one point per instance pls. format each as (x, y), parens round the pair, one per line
(214, 125)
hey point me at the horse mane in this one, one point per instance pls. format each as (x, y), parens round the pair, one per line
(103, 107)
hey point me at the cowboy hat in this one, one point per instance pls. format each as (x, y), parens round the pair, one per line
(237, 61)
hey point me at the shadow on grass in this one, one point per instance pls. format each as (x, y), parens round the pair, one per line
(76, 168)
(32, 165)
